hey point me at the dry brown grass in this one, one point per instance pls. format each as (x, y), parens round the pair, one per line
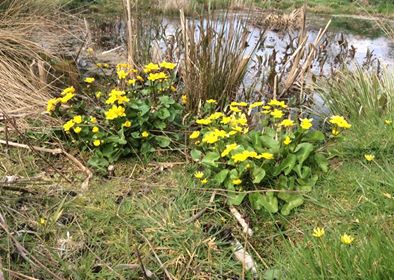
(25, 84)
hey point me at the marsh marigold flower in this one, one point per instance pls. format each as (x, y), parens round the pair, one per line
(347, 239)
(340, 122)
(203, 121)
(318, 232)
(256, 104)
(204, 181)
(115, 112)
(277, 114)
(369, 157)
(77, 130)
(77, 119)
(89, 80)
(287, 140)
(184, 99)
(145, 134)
(52, 104)
(122, 74)
(167, 65)
(388, 122)
(237, 181)
(228, 149)
(127, 124)
(97, 143)
(286, 123)
(68, 125)
(95, 129)
(68, 91)
(211, 101)
(194, 135)
(306, 123)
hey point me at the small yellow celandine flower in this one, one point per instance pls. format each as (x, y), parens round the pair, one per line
(122, 74)
(286, 123)
(277, 114)
(237, 181)
(184, 99)
(388, 122)
(347, 239)
(95, 129)
(194, 135)
(318, 232)
(306, 123)
(77, 119)
(89, 80)
(77, 130)
(211, 101)
(369, 157)
(93, 120)
(145, 134)
(131, 82)
(127, 124)
(42, 221)
(98, 94)
(204, 121)
(204, 181)
(256, 104)
(68, 125)
(97, 143)
(198, 175)
(287, 140)
(115, 112)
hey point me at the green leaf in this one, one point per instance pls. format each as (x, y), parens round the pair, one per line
(258, 174)
(147, 148)
(166, 101)
(302, 171)
(235, 198)
(267, 201)
(292, 201)
(322, 162)
(286, 165)
(99, 163)
(159, 124)
(163, 114)
(221, 176)
(313, 136)
(270, 143)
(303, 151)
(163, 141)
(211, 158)
(196, 155)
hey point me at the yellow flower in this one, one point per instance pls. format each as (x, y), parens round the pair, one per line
(151, 67)
(93, 120)
(115, 112)
(203, 121)
(95, 129)
(306, 123)
(210, 138)
(388, 122)
(240, 156)
(52, 104)
(194, 135)
(77, 119)
(98, 94)
(173, 89)
(145, 134)
(335, 132)
(369, 157)
(199, 175)
(42, 221)
(131, 82)
(89, 80)
(215, 116)
(286, 123)
(204, 181)
(167, 65)
(237, 181)
(265, 112)
(277, 114)
(287, 140)
(347, 239)
(340, 122)
(77, 130)
(184, 99)
(211, 101)
(97, 143)
(127, 124)
(225, 120)
(228, 149)
(157, 76)
(139, 78)
(265, 156)
(66, 97)
(122, 74)
(235, 109)
(266, 107)
(68, 125)
(275, 102)
(318, 232)
(68, 91)
(256, 104)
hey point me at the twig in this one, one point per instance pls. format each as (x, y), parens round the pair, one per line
(19, 275)
(245, 227)
(89, 173)
(39, 149)
(1, 270)
(201, 212)
(141, 264)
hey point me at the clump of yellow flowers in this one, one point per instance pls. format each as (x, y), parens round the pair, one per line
(255, 149)
(131, 113)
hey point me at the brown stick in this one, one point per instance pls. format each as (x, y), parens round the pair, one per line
(39, 149)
